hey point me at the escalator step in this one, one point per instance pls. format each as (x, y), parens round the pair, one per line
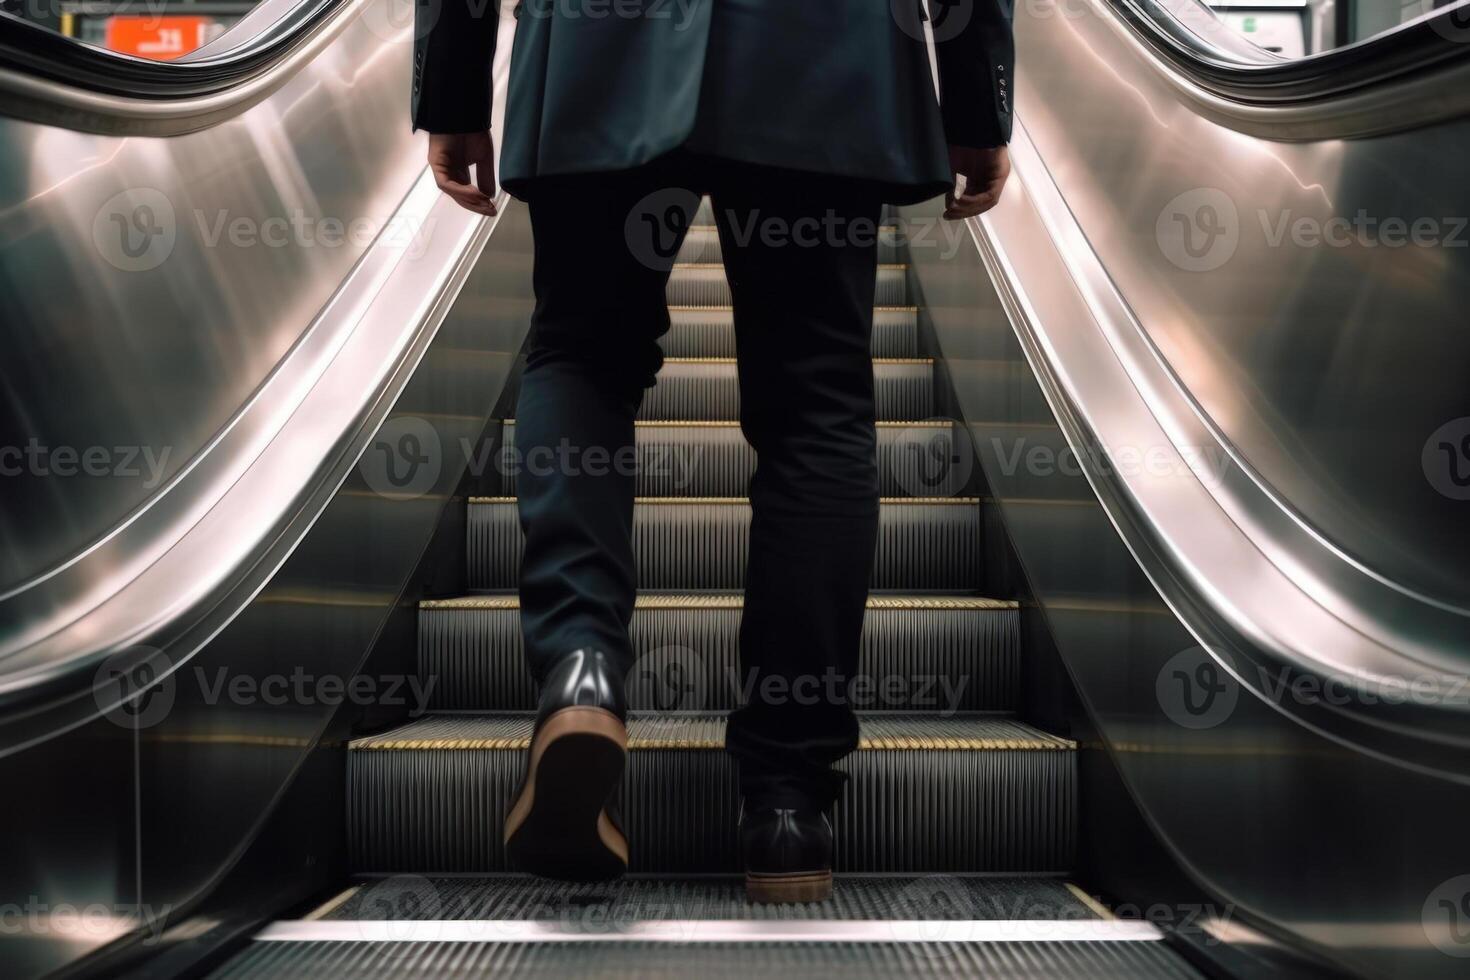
(701, 331)
(712, 459)
(708, 898)
(919, 653)
(694, 543)
(964, 793)
(702, 244)
(707, 389)
(841, 960)
(704, 284)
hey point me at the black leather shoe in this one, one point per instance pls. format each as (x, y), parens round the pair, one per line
(788, 854)
(564, 823)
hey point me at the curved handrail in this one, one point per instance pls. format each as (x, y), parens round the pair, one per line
(177, 569)
(1210, 51)
(254, 43)
(1412, 76)
(53, 80)
(1266, 595)
(211, 538)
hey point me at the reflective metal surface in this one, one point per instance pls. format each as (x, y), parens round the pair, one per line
(1258, 586)
(1414, 76)
(1152, 275)
(1285, 288)
(258, 347)
(192, 297)
(90, 89)
(127, 290)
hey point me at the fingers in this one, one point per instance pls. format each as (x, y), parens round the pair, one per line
(485, 178)
(976, 199)
(984, 170)
(450, 157)
(463, 193)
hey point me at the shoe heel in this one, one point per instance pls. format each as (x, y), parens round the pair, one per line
(783, 889)
(558, 826)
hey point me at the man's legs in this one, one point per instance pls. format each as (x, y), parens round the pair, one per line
(600, 309)
(801, 256)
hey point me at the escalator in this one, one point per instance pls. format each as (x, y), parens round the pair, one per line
(956, 833)
(1169, 610)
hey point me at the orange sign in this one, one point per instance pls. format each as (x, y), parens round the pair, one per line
(156, 37)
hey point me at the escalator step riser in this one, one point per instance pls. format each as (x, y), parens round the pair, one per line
(709, 391)
(706, 286)
(702, 245)
(915, 659)
(700, 545)
(715, 461)
(881, 959)
(711, 333)
(436, 810)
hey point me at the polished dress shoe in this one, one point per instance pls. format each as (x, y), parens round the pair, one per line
(788, 854)
(564, 821)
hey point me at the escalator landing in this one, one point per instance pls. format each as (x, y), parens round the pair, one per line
(646, 926)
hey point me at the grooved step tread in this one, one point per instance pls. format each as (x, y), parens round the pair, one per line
(745, 501)
(704, 284)
(706, 732)
(708, 388)
(729, 600)
(636, 898)
(933, 653)
(925, 794)
(875, 960)
(930, 458)
(710, 331)
(688, 544)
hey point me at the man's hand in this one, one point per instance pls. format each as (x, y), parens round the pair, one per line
(985, 172)
(450, 157)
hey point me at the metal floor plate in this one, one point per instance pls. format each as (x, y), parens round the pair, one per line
(710, 961)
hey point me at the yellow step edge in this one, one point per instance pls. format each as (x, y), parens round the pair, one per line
(1093, 905)
(889, 501)
(332, 904)
(692, 600)
(901, 743)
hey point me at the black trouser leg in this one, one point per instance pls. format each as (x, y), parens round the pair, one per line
(600, 309)
(801, 258)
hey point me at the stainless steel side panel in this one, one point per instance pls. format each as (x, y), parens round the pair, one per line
(1311, 376)
(1344, 851)
(1329, 350)
(152, 285)
(243, 306)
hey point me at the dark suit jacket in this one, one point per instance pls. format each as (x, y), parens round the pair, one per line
(838, 87)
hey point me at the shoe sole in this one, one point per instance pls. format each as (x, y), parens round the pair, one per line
(782, 889)
(558, 826)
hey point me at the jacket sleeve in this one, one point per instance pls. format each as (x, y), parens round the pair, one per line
(453, 48)
(976, 53)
